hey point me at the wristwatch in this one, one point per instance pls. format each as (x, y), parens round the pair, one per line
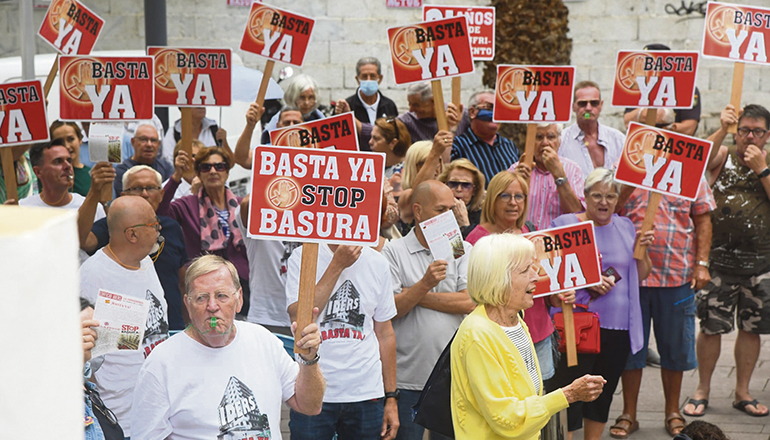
(302, 360)
(704, 263)
(560, 181)
(393, 394)
(764, 173)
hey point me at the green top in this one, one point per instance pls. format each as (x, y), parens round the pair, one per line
(82, 180)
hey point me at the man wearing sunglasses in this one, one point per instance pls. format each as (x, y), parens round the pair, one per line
(481, 143)
(123, 267)
(146, 144)
(587, 142)
(739, 262)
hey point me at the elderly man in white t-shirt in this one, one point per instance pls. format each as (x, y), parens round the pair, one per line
(221, 378)
(359, 346)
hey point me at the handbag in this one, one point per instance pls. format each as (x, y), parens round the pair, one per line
(587, 331)
(433, 409)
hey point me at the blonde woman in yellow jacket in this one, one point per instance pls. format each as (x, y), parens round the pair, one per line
(497, 390)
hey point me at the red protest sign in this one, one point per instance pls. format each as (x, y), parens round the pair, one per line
(655, 79)
(337, 132)
(277, 34)
(70, 27)
(191, 77)
(481, 26)
(659, 160)
(736, 33)
(567, 258)
(321, 196)
(526, 94)
(430, 50)
(105, 88)
(23, 117)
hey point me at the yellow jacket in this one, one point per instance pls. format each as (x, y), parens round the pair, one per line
(493, 396)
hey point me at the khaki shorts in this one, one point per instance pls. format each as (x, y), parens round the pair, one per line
(726, 294)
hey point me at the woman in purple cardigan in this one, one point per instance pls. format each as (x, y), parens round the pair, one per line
(208, 218)
(616, 300)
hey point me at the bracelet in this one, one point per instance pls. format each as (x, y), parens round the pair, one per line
(300, 360)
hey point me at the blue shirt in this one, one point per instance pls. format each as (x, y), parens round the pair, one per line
(489, 159)
(169, 260)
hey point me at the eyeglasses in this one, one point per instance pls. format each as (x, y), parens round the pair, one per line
(137, 190)
(99, 405)
(466, 186)
(484, 107)
(757, 132)
(585, 102)
(550, 136)
(598, 197)
(155, 224)
(518, 197)
(201, 299)
(395, 127)
(205, 167)
(144, 140)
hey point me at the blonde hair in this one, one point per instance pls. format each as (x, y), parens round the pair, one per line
(492, 260)
(417, 153)
(206, 264)
(479, 181)
(195, 143)
(497, 185)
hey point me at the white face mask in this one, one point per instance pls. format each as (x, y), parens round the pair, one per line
(156, 245)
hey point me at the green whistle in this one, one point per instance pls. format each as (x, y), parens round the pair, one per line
(214, 322)
(587, 115)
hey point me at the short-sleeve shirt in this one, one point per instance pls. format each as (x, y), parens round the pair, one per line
(489, 159)
(673, 251)
(544, 204)
(422, 334)
(573, 147)
(350, 351)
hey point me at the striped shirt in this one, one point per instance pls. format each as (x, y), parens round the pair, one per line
(544, 204)
(489, 159)
(573, 147)
(519, 337)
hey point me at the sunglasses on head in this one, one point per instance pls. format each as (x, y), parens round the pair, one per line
(206, 166)
(585, 102)
(395, 126)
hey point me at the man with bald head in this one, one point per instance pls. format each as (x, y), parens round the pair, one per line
(146, 144)
(124, 268)
(169, 260)
(431, 301)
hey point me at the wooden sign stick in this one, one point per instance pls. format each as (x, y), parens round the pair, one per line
(265, 81)
(9, 173)
(187, 138)
(735, 96)
(654, 202)
(456, 87)
(529, 146)
(306, 292)
(438, 104)
(51, 76)
(569, 335)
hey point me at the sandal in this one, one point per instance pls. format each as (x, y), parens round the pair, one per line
(741, 406)
(674, 422)
(696, 403)
(624, 423)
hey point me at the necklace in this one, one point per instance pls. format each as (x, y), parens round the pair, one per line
(120, 262)
(56, 203)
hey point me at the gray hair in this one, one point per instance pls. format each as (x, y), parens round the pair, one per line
(423, 89)
(138, 168)
(206, 264)
(145, 123)
(297, 85)
(474, 101)
(604, 176)
(368, 60)
(559, 127)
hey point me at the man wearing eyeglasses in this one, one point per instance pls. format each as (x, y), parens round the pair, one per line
(587, 142)
(481, 143)
(171, 256)
(146, 144)
(739, 262)
(124, 267)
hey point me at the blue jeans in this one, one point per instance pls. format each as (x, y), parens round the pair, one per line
(408, 429)
(350, 421)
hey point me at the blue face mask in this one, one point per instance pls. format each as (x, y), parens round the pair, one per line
(484, 115)
(369, 87)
